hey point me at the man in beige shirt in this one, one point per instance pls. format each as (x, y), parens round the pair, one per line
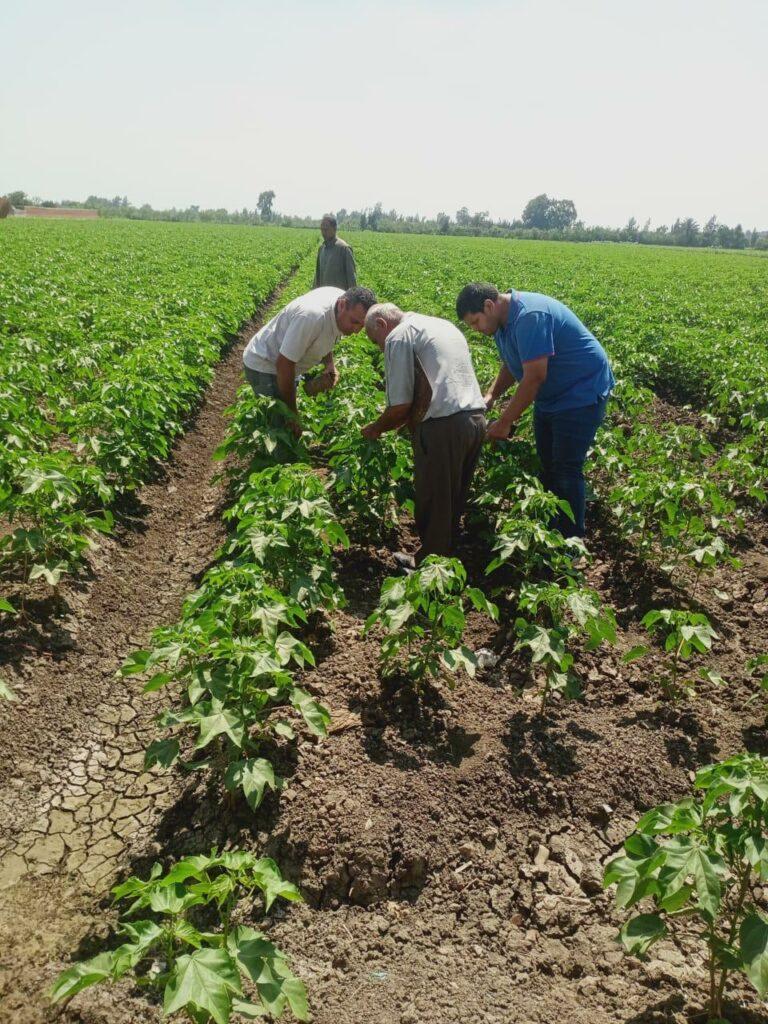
(431, 387)
(302, 335)
(335, 259)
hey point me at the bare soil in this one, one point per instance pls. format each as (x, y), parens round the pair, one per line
(450, 845)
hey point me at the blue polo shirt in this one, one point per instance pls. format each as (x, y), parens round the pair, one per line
(578, 371)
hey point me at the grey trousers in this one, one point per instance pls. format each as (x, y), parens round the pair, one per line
(445, 454)
(262, 383)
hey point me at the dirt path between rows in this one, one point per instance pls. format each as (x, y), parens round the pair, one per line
(74, 796)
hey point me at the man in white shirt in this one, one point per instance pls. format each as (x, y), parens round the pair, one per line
(432, 388)
(302, 335)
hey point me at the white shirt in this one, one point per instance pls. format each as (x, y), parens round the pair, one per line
(303, 331)
(443, 355)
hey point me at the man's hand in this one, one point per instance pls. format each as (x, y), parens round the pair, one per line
(489, 400)
(499, 430)
(371, 432)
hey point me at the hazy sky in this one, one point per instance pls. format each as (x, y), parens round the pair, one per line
(647, 109)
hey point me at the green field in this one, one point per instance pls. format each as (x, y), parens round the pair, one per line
(111, 331)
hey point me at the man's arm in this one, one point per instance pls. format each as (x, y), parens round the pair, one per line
(351, 269)
(393, 417)
(316, 278)
(286, 381)
(534, 375)
(504, 381)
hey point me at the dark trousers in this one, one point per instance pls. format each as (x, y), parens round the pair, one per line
(562, 442)
(445, 453)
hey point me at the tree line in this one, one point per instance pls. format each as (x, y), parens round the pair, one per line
(543, 217)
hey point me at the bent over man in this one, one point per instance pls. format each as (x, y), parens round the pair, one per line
(560, 366)
(430, 355)
(302, 335)
(335, 259)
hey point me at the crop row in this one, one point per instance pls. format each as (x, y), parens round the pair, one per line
(673, 494)
(108, 334)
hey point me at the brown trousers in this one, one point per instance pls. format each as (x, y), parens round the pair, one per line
(445, 453)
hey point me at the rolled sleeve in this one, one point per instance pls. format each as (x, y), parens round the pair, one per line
(535, 337)
(299, 335)
(400, 370)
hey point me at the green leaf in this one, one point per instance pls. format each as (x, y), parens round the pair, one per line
(460, 657)
(76, 978)
(314, 714)
(639, 933)
(272, 884)
(221, 722)
(162, 752)
(51, 573)
(204, 980)
(636, 652)
(135, 663)
(6, 693)
(6, 606)
(252, 775)
(753, 940)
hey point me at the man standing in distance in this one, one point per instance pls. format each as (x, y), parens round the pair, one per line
(302, 335)
(560, 366)
(431, 387)
(335, 259)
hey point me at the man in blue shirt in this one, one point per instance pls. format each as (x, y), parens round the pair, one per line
(560, 367)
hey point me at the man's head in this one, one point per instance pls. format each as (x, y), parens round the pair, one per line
(479, 306)
(328, 227)
(351, 308)
(381, 320)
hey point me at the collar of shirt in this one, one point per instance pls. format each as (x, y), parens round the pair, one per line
(330, 319)
(330, 241)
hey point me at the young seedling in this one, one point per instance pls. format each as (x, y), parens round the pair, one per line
(698, 862)
(555, 616)
(685, 634)
(424, 616)
(200, 972)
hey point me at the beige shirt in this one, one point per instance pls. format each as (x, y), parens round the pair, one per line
(335, 265)
(443, 354)
(303, 331)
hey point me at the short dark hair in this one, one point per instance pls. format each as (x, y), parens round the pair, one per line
(330, 217)
(472, 298)
(358, 296)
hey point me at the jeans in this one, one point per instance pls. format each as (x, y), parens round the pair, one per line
(562, 442)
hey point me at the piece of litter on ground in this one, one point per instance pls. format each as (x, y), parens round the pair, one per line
(486, 658)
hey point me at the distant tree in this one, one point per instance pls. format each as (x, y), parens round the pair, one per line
(480, 220)
(443, 221)
(264, 204)
(341, 215)
(549, 214)
(631, 230)
(689, 231)
(462, 217)
(5, 207)
(18, 199)
(739, 241)
(48, 204)
(709, 231)
(374, 217)
(562, 214)
(363, 221)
